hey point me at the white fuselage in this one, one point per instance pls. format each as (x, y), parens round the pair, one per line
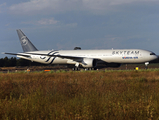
(108, 56)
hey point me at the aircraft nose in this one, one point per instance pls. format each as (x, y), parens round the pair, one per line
(155, 57)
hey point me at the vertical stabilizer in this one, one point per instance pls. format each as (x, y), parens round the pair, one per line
(25, 42)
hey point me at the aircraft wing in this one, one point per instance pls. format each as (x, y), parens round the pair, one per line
(74, 58)
(17, 54)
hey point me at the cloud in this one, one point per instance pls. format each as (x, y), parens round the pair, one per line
(1, 6)
(7, 24)
(61, 6)
(43, 21)
(71, 25)
(50, 22)
(47, 21)
(41, 6)
(4, 4)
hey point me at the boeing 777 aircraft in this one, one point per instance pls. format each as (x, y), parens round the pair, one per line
(89, 59)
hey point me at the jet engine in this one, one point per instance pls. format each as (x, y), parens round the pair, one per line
(89, 63)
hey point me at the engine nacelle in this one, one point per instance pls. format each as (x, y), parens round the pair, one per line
(88, 63)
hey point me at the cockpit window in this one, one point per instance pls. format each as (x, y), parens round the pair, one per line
(152, 54)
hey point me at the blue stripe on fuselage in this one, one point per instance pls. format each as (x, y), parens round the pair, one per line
(53, 58)
(49, 57)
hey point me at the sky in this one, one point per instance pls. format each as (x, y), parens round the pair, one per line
(89, 24)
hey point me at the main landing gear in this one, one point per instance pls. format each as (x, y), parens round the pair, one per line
(78, 69)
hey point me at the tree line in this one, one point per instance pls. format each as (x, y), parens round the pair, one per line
(13, 61)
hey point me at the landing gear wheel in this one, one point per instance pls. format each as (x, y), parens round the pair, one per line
(89, 68)
(75, 69)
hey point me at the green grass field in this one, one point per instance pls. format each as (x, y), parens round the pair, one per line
(80, 95)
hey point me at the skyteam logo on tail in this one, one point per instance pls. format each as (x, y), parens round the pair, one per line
(24, 40)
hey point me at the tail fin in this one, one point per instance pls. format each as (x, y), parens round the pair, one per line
(25, 42)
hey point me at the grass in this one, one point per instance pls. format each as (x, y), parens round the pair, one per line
(80, 95)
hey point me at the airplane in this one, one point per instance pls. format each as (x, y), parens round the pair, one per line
(87, 59)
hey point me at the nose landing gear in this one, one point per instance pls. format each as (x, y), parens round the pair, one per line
(146, 64)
